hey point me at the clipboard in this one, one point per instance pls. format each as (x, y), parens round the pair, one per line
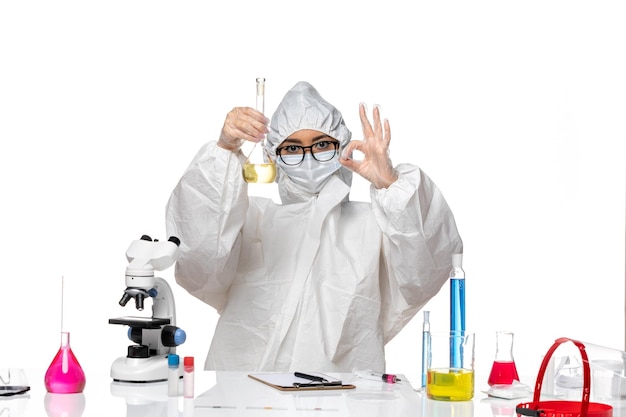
(287, 381)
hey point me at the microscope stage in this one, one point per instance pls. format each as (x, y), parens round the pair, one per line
(141, 322)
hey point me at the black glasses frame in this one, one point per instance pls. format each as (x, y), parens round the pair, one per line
(310, 148)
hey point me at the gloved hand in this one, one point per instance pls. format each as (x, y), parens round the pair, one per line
(376, 167)
(242, 123)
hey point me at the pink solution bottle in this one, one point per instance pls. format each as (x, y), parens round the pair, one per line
(65, 375)
(503, 370)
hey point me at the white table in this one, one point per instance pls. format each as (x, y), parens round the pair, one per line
(235, 394)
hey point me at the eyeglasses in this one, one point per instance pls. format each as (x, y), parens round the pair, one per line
(322, 151)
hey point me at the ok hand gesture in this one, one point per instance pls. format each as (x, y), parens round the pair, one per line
(376, 167)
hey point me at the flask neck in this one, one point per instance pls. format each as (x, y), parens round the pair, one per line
(504, 346)
(65, 339)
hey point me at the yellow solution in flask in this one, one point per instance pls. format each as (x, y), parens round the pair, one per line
(259, 168)
(450, 384)
(264, 173)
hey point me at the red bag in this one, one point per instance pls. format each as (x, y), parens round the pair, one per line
(557, 408)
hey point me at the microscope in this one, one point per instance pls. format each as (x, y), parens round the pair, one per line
(153, 337)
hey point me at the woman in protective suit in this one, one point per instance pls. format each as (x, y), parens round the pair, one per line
(317, 282)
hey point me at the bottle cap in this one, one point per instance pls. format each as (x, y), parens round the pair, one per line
(173, 360)
(457, 260)
(188, 361)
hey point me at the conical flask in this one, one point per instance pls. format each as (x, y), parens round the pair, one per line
(259, 168)
(65, 375)
(503, 370)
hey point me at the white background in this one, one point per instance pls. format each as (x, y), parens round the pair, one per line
(515, 109)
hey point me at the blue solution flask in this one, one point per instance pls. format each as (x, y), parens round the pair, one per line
(457, 310)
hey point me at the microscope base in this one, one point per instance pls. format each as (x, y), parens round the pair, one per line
(141, 370)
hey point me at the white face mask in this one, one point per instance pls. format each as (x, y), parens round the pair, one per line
(310, 175)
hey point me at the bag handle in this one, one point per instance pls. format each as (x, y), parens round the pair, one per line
(586, 376)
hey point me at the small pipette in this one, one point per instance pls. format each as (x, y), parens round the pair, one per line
(425, 346)
(377, 376)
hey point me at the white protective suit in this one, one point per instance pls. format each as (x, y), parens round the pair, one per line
(318, 282)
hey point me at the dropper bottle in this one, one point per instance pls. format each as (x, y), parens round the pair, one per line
(457, 308)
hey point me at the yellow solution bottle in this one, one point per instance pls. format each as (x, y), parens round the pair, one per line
(259, 168)
(445, 380)
(449, 384)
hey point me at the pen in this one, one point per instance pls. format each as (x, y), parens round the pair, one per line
(310, 377)
(375, 376)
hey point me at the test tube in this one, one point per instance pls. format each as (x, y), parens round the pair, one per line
(457, 311)
(173, 362)
(425, 346)
(188, 377)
